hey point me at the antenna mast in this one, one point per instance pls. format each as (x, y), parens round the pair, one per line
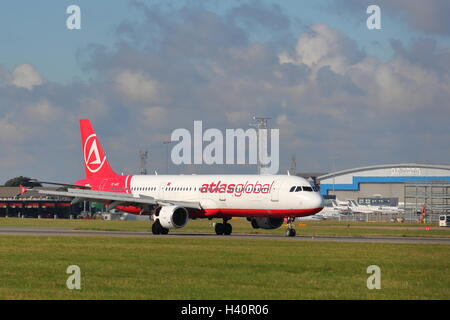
(143, 155)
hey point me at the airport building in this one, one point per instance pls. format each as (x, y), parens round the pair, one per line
(32, 204)
(384, 184)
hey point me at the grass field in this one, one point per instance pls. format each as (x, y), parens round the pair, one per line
(313, 228)
(34, 267)
(157, 268)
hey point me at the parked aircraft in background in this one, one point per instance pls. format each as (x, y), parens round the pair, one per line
(354, 207)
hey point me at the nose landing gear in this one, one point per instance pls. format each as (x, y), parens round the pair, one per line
(290, 231)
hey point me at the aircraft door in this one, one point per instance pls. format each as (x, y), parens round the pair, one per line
(162, 187)
(275, 194)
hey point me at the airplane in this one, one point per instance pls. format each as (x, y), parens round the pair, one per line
(172, 200)
(359, 208)
(331, 210)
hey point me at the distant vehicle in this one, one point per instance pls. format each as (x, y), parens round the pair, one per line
(444, 220)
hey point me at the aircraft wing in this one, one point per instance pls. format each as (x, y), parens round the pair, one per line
(115, 199)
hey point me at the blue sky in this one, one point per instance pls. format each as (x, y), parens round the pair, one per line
(36, 31)
(140, 69)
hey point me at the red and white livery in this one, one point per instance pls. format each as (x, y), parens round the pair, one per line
(171, 200)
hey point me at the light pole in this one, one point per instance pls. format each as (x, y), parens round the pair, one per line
(260, 123)
(334, 157)
(167, 142)
(334, 169)
(143, 155)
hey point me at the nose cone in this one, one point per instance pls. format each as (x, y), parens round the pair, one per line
(317, 201)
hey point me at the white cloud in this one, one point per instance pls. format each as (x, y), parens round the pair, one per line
(155, 117)
(10, 132)
(25, 76)
(322, 46)
(136, 86)
(93, 107)
(43, 111)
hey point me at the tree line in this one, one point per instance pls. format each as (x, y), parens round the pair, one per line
(21, 180)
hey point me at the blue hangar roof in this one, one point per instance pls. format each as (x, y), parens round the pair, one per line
(350, 179)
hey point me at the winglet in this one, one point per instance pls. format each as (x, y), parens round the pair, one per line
(22, 190)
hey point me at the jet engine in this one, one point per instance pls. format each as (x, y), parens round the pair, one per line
(173, 217)
(267, 223)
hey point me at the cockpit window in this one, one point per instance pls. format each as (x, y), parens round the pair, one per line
(307, 189)
(292, 189)
(299, 188)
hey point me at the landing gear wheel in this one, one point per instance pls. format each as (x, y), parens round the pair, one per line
(254, 224)
(219, 228)
(156, 227)
(228, 228)
(290, 232)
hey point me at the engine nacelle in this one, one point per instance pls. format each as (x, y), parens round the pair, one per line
(173, 217)
(267, 223)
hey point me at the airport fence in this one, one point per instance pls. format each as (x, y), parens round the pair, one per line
(386, 217)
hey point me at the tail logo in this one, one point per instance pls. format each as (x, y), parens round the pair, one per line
(92, 159)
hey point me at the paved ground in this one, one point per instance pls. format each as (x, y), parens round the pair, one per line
(70, 232)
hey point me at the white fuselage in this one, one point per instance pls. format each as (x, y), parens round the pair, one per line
(233, 195)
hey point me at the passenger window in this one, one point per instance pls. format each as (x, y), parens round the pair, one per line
(299, 188)
(292, 189)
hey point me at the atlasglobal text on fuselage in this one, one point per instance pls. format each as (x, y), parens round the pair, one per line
(172, 200)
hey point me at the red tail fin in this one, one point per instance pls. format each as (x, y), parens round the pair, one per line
(95, 162)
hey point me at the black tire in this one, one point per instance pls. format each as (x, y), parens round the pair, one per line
(292, 232)
(219, 228)
(156, 227)
(254, 224)
(163, 230)
(228, 229)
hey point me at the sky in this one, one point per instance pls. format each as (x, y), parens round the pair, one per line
(341, 95)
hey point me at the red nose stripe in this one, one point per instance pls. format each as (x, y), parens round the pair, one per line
(262, 212)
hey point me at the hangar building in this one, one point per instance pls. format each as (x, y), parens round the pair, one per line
(382, 181)
(33, 204)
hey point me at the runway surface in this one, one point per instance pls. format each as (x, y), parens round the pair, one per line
(39, 231)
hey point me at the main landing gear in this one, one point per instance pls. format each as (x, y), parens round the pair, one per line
(157, 228)
(223, 228)
(290, 231)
